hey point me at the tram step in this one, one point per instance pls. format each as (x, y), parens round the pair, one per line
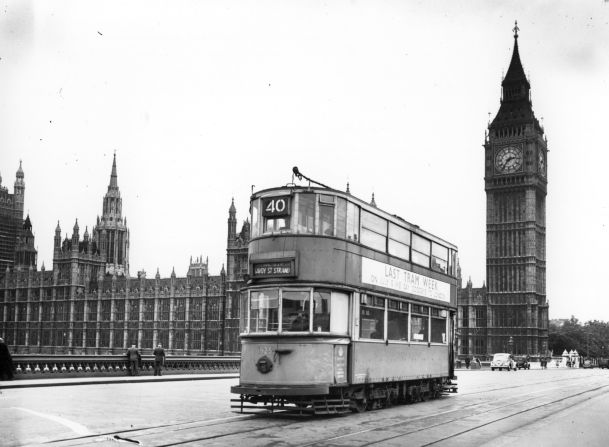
(331, 406)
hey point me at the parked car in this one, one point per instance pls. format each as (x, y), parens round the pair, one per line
(522, 363)
(503, 360)
(587, 364)
(603, 363)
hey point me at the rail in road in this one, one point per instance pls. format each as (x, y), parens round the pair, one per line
(501, 407)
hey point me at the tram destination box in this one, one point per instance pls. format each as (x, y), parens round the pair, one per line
(274, 269)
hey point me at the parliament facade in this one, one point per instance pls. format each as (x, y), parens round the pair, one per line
(510, 312)
(90, 304)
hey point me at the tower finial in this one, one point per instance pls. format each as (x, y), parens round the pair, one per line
(515, 29)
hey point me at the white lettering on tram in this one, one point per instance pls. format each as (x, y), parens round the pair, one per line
(385, 275)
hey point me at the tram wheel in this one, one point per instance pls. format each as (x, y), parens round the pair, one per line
(358, 405)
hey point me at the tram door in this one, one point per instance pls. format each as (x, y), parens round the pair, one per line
(451, 346)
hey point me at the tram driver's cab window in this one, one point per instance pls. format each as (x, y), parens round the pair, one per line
(264, 310)
(372, 317)
(321, 310)
(295, 310)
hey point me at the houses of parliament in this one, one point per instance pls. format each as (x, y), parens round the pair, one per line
(88, 303)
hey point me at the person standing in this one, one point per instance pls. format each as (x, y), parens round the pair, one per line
(133, 357)
(6, 362)
(159, 359)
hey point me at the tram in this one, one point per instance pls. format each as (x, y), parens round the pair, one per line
(347, 307)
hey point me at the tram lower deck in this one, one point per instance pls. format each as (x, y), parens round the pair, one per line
(331, 374)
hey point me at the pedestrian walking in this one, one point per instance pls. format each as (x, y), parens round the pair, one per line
(6, 362)
(134, 358)
(159, 359)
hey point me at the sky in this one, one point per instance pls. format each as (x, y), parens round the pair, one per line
(204, 100)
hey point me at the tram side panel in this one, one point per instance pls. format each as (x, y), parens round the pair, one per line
(289, 363)
(378, 362)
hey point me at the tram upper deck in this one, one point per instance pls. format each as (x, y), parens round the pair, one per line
(324, 236)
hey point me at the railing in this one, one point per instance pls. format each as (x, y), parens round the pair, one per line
(58, 366)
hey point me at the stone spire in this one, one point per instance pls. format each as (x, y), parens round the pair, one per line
(113, 177)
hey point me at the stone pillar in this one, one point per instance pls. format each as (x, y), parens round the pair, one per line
(155, 330)
(171, 314)
(187, 320)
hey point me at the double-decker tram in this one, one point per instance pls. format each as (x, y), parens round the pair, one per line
(347, 306)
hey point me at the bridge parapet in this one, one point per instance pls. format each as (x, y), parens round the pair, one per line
(57, 366)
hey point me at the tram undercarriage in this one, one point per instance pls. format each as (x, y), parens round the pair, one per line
(352, 398)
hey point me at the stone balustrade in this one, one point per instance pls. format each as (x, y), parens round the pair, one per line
(56, 366)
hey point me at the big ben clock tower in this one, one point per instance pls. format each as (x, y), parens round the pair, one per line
(516, 186)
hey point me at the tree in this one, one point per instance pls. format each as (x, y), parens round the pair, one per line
(590, 339)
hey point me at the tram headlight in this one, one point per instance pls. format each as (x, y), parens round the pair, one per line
(264, 365)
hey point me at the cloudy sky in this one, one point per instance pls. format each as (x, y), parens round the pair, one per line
(203, 99)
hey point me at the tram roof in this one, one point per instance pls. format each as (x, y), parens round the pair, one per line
(290, 189)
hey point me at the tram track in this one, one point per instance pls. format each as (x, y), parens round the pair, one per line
(528, 410)
(236, 429)
(447, 422)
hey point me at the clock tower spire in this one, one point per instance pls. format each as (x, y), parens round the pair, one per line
(516, 187)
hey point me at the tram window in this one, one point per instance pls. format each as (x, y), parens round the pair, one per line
(264, 310)
(419, 323)
(326, 215)
(321, 311)
(243, 313)
(397, 320)
(276, 224)
(341, 217)
(439, 258)
(421, 250)
(352, 221)
(372, 318)
(339, 315)
(453, 263)
(438, 326)
(295, 310)
(306, 213)
(399, 241)
(255, 218)
(374, 231)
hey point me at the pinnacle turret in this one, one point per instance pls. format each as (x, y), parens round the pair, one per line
(20, 171)
(113, 177)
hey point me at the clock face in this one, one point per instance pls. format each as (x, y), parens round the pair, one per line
(541, 164)
(508, 160)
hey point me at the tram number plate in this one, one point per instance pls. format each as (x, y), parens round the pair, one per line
(276, 206)
(283, 268)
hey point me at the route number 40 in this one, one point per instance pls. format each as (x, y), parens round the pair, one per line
(276, 206)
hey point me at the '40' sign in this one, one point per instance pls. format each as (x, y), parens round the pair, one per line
(276, 206)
